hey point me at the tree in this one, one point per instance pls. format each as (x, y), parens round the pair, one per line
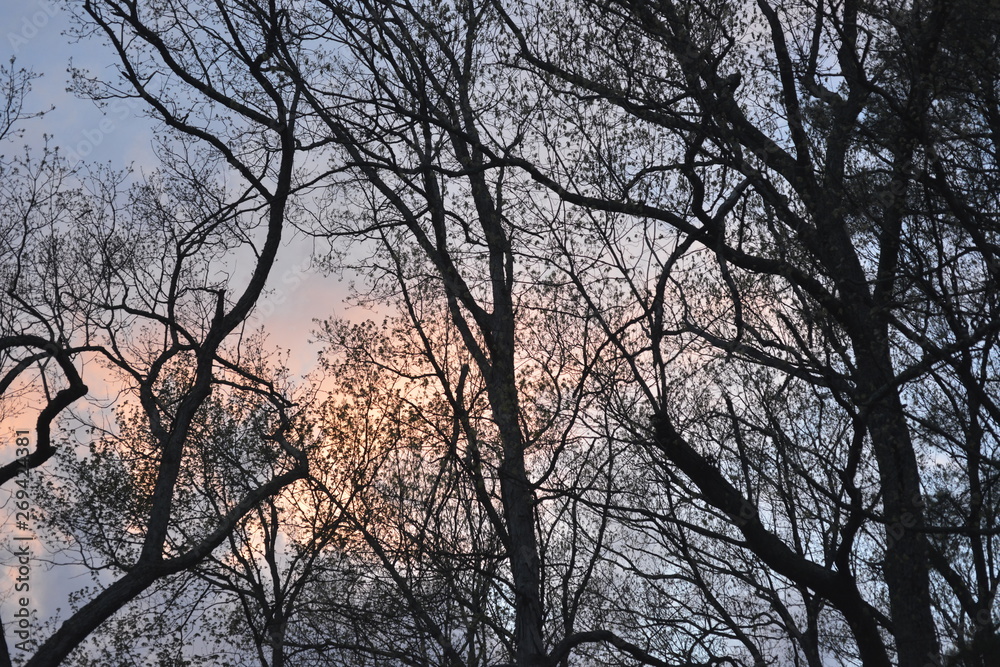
(118, 307)
(37, 195)
(696, 310)
(131, 284)
(419, 98)
(230, 455)
(392, 136)
(816, 161)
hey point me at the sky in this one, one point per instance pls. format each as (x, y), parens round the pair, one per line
(34, 34)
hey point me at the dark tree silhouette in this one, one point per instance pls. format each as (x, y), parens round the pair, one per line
(691, 348)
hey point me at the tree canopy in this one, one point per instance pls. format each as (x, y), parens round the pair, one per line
(679, 345)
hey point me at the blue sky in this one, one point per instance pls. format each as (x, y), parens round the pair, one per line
(34, 34)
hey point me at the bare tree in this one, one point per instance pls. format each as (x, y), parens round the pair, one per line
(134, 282)
(231, 453)
(811, 162)
(693, 348)
(38, 193)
